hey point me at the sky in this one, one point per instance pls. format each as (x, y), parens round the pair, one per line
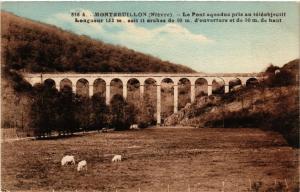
(206, 47)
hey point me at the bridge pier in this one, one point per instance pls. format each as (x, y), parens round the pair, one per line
(91, 90)
(192, 93)
(158, 104)
(226, 88)
(209, 90)
(74, 87)
(57, 86)
(125, 90)
(107, 94)
(175, 98)
(142, 90)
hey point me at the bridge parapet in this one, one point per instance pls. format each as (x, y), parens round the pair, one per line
(124, 77)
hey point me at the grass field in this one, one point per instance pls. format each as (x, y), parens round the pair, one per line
(156, 159)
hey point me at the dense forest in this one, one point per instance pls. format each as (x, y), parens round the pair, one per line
(36, 47)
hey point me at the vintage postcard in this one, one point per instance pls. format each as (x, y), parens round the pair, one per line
(161, 96)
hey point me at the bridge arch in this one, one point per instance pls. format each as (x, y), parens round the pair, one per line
(133, 90)
(117, 87)
(218, 85)
(82, 87)
(50, 83)
(169, 94)
(151, 94)
(66, 84)
(252, 82)
(184, 92)
(234, 84)
(150, 81)
(99, 86)
(201, 87)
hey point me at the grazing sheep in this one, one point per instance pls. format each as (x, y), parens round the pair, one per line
(82, 165)
(116, 158)
(277, 71)
(68, 159)
(134, 126)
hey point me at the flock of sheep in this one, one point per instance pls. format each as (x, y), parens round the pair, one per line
(82, 165)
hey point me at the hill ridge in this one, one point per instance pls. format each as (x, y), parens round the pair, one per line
(37, 47)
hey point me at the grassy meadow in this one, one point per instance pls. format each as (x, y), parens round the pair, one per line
(154, 159)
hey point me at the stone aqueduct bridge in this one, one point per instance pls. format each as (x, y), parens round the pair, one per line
(142, 77)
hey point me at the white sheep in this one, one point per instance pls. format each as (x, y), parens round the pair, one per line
(116, 158)
(68, 159)
(134, 126)
(82, 165)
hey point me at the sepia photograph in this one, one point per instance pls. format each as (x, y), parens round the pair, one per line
(150, 96)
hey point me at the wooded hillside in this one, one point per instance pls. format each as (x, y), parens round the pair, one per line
(37, 47)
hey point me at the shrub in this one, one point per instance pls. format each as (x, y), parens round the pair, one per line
(288, 125)
(239, 119)
(279, 76)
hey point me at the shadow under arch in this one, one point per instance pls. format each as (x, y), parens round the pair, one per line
(133, 91)
(167, 98)
(82, 87)
(252, 82)
(201, 87)
(116, 87)
(50, 83)
(99, 87)
(218, 86)
(66, 85)
(234, 84)
(150, 95)
(184, 92)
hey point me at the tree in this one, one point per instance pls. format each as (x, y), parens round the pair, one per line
(83, 110)
(271, 69)
(146, 113)
(281, 78)
(99, 113)
(43, 110)
(66, 112)
(122, 113)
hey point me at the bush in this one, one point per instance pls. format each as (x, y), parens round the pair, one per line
(239, 119)
(283, 78)
(288, 125)
(279, 77)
